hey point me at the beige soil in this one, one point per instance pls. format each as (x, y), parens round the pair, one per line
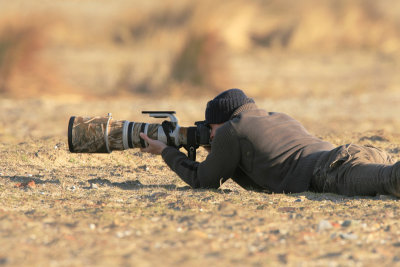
(129, 209)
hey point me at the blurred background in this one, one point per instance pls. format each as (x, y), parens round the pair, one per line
(269, 48)
(332, 64)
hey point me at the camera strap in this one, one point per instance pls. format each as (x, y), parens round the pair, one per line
(191, 145)
(142, 142)
(167, 128)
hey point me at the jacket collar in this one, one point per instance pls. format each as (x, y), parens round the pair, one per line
(248, 106)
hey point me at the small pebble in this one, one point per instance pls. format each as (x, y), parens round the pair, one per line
(92, 226)
(94, 186)
(119, 234)
(349, 236)
(275, 231)
(283, 231)
(346, 223)
(324, 225)
(252, 249)
(72, 188)
(123, 234)
(155, 219)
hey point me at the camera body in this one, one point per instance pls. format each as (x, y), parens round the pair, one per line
(104, 134)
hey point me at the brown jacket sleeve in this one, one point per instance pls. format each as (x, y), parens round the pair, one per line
(220, 163)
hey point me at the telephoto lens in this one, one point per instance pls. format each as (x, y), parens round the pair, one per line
(104, 134)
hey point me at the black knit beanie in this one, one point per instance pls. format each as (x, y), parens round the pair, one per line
(221, 108)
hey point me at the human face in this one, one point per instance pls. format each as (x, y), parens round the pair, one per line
(214, 128)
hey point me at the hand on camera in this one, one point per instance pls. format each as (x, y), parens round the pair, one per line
(155, 147)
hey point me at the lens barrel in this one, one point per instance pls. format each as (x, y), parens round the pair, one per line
(94, 135)
(104, 134)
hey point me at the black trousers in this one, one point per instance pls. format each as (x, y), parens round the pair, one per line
(356, 170)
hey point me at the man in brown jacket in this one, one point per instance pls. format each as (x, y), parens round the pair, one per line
(272, 152)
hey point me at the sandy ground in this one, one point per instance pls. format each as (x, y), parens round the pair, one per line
(128, 209)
